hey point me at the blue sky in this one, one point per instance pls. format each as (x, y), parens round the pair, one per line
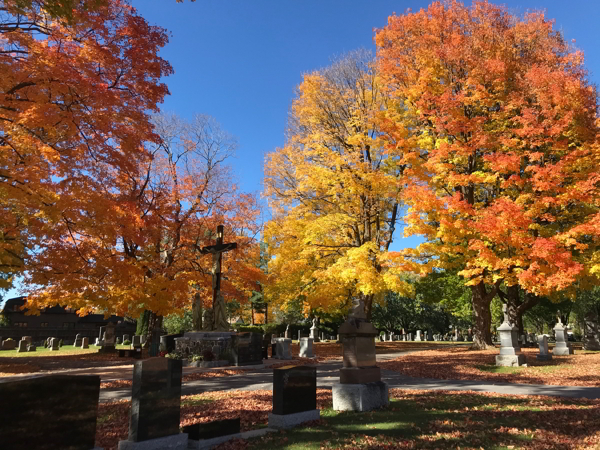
(240, 61)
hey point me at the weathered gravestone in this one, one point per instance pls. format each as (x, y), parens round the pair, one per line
(125, 338)
(108, 346)
(282, 348)
(54, 344)
(22, 346)
(31, 348)
(100, 335)
(117, 340)
(562, 347)
(137, 342)
(510, 352)
(84, 343)
(360, 388)
(29, 339)
(543, 355)
(418, 338)
(77, 342)
(56, 412)
(155, 406)
(306, 348)
(590, 323)
(246, 349)
(294, 396)
(9, 344)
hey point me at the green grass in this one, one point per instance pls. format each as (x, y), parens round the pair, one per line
(195, 400)
(428, 421)
(44, 352)
(515, 370)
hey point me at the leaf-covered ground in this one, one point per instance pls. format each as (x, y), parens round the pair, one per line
(189, 377)
(581, 369)
(414, 419)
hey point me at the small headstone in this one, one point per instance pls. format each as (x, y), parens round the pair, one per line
(9, 344)
(34, 412)
(246, 349)
(29, 339)
(418, 337)
(306, 348)
(84, 342)
(31, 348)
(137, 342)
(211, 430)
(22, 346)
(322, 335)
(294, 396)
(590, 332)
(77, 342)
(143, 339)
(101, 333)
(273, 338)
(543, 355)
(125, 337)
(562, 347)
(155, 399)
(283, 348)
(54, 344)
(410, 336)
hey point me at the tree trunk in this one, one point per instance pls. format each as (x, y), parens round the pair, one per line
(481, 299)
(252, 314)
(516, 306)
(266, 313)
(368, 301)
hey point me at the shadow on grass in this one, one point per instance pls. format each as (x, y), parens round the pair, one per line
(449, 420)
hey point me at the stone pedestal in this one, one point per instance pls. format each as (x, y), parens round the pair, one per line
(306, 348)
(418, 338)
(562, 346)
(282, 348)
(360, 397)
(510, 352)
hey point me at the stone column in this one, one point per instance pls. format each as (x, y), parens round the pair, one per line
(510, 352)
(418, 338)
(562, 346)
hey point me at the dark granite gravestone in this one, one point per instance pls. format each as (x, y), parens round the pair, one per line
(246, 348)
(210, 430)
(56, 412)
(155, 399)
(294, 389)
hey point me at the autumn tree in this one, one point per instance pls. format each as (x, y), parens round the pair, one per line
(74, 118)
(334, 193)
(495, 119)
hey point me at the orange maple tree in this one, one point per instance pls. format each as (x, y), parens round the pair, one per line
(496, 121)
(74, 117)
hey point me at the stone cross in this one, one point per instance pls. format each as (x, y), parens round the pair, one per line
(218, 304)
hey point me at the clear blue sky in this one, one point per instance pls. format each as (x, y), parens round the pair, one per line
(240, 61)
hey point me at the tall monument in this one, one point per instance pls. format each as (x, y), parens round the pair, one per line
(219, 315)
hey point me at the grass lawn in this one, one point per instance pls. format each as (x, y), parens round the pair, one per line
(581, 369)
(414, 419)
(45, 352)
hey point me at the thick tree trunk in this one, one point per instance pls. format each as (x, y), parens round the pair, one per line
(516, 306)
(481, 299)
(368, 301)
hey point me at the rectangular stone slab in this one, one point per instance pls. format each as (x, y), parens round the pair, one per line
(209, 430)
(56, 412)
(155, 399)
(294, 389)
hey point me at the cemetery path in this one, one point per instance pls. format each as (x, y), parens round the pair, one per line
(328, 375)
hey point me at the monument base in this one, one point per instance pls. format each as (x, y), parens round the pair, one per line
(592, 345)
(360, 375)
(562, 351)
(547, 357)
(107, 349)
(206, 444)
(510, 360)
(283, 421)
(174, 442)
(360, 397)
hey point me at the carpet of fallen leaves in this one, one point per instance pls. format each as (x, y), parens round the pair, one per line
(252, 407)
(325, 351)
(50, 362)
(416, 419)
(581, 369)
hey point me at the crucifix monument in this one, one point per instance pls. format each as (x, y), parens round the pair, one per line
(218, 321)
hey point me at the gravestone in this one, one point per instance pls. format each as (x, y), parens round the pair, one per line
(273, 338)
(360, 388)
(167, 342)
(9, 344)
(137, 342)
(523, 341)
(84, 343)
(543, 355)
(101, 335)
(322, 335)
(282, 347)
(418, 338)
(29, 339)
(410, 337)
(77, 342)
(108, 346)
(510, 352)
(246, 349)
(214, 429)
(54, 344)
(31, 348)
(306, 348)
(294, 396)
(429, 335)
(314, 331)
(126, 338)
(22, 346)
(562, 347)
(590, 324)
(155, 406)
(299, 335)
(55, 412)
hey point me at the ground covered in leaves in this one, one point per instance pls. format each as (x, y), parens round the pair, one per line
(581, 369)
(414, 419)
(115, 384)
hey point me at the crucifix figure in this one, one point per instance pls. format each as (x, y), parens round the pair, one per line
(505, 311)
(219, 319)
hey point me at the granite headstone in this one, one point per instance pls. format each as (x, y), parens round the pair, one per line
(294, 389)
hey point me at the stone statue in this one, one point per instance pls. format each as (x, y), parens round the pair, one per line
(220, 315)
(207, 320)
(505, 312)
(197, 312)
(358, 309)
